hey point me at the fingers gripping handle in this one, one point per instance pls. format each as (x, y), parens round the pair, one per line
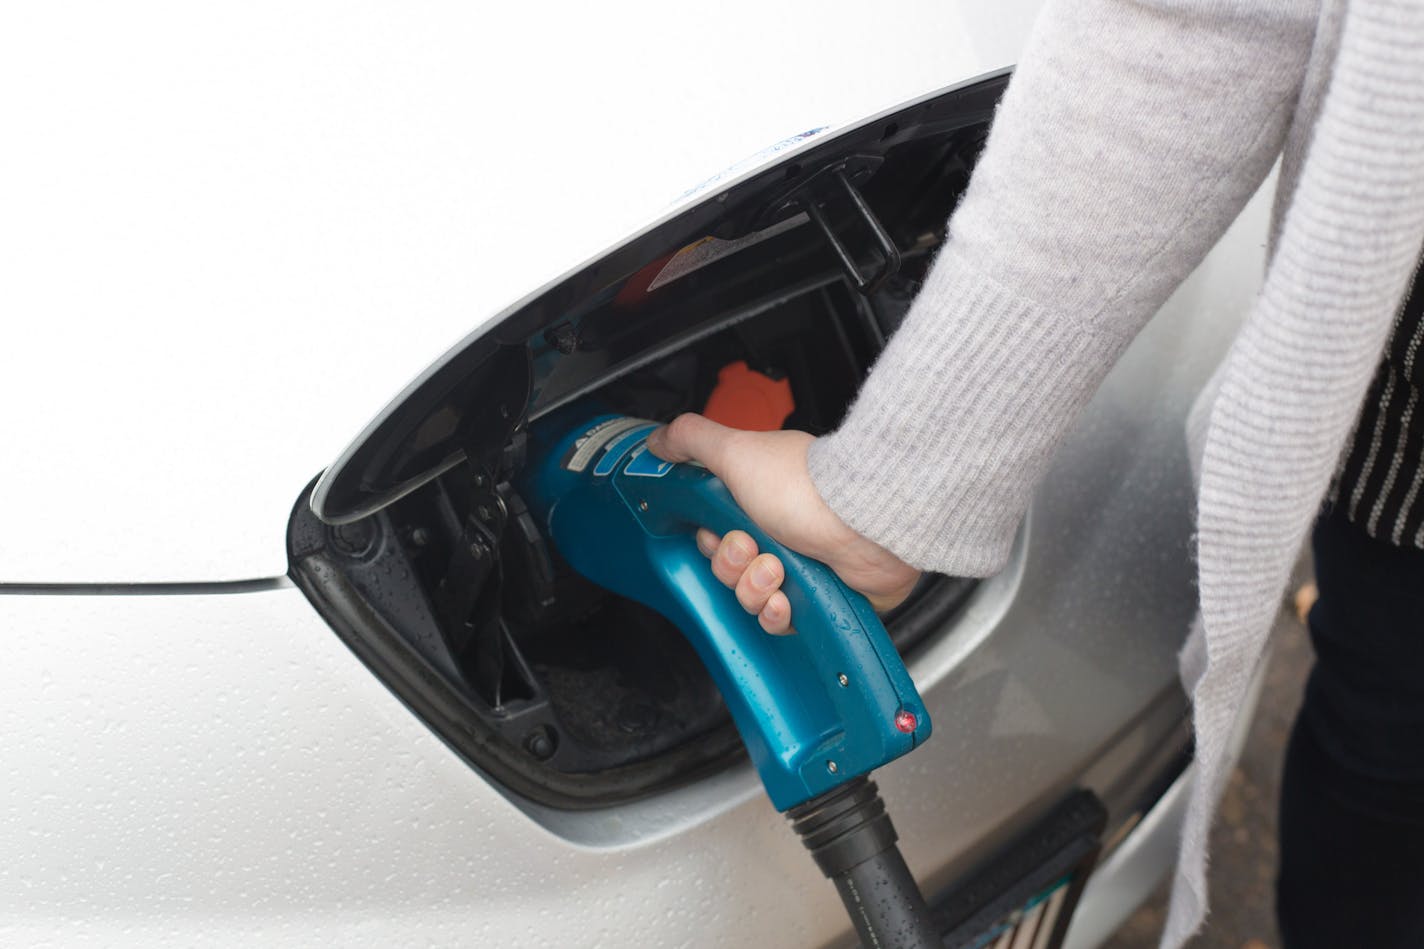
(815, 708)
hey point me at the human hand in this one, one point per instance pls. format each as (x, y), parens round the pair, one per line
(766, 473)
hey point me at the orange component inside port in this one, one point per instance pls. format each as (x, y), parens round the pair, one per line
(749, 400)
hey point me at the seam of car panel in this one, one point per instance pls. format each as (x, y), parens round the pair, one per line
(180, 588)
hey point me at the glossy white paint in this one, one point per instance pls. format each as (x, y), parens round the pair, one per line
(231, 233)
(218, 768)
(221, 769)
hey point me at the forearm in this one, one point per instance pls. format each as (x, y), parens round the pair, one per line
(1128, 140)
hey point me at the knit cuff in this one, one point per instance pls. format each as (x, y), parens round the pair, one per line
(939, 456)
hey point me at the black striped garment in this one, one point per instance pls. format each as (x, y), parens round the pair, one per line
(1380, 484)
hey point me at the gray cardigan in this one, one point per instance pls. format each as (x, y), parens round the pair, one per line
(1130, 136)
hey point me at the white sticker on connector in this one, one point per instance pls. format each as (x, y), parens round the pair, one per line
(598, 438)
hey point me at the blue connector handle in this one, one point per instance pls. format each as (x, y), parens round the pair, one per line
(815, 708)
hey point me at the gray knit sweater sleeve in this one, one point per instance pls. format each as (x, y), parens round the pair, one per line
(1131, 134)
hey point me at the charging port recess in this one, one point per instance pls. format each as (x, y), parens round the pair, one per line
(426, 561)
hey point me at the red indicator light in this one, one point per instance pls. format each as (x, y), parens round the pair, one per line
(906, 721)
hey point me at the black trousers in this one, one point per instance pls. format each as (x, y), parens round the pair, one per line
(1352, 797)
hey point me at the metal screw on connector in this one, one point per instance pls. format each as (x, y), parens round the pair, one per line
(843, 679)
(832, 767)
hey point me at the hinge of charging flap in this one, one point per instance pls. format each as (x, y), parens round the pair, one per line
(831, 194)
(471, 595)
(469, 592)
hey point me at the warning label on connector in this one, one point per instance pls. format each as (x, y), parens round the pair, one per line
(599, 438)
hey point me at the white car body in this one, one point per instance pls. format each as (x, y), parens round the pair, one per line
(199, 205)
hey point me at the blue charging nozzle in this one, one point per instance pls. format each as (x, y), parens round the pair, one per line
(817, 710)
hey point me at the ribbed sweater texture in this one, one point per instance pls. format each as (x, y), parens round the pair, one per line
(1130, 136)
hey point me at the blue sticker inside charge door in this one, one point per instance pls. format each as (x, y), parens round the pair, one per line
(619, 448)
(645, 464)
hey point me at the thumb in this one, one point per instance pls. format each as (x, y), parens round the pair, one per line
(692, 437)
